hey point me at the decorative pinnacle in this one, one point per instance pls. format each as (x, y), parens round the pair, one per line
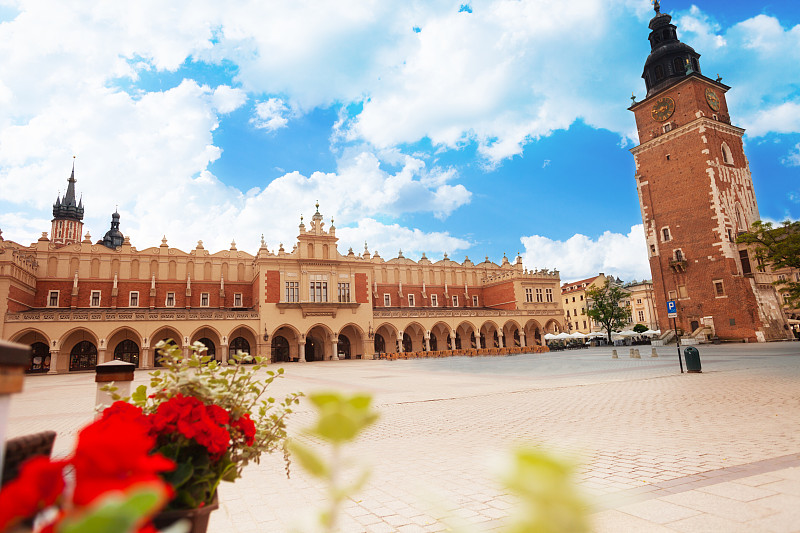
(633, 98)
(719, 78)
(656, 6)
(317, 206)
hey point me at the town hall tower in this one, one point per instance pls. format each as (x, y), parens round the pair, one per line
(696, 195)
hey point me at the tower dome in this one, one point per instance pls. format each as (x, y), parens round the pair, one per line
(669, 59)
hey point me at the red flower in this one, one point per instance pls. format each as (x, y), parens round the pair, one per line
(247, 427)
(113, 453)
(37, 487)
(188, 416)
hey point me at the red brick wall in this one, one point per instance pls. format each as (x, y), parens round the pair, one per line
(420, 301)
(20, 300)
(272, 286)
(43, 288)
(500, 296)
(361, 288)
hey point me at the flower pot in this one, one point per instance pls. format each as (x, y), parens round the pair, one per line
(198, 517)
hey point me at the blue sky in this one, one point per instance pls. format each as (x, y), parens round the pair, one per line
(473, 129)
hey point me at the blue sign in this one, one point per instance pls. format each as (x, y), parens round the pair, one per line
(672, 309)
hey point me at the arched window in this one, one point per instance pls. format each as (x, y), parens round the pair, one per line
(679, 65)
(83, 356)
(659, 71)
(240, 344)
(741, 225)
(40, 358)
(280, 349)
(310, 250)
(127, 351)
(727, 155)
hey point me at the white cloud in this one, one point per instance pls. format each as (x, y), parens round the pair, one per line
(271, 115)
(580, 257)
(793, 158)
(783, 118)
(389, 239)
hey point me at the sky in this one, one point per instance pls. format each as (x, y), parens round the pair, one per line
(472, 129)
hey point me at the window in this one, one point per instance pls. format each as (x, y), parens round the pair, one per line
(638, 300)
(581, 297)
(455, 301)
(659, 72)
(52, 299)
(133, 299)
(682, 291)
(549, 293)
(434, 300)
(170, 302)
(727, 156)
(204, 299)
(387, 300)
(730, 235)
(474, 301)
(673, 295)
(719, 288)
(573, 298)
(237, 299)
(667, 157)
(539, 295)
(653, 249)
(583, 310)
(344, 292)
(666, 128)
(732, 321)
(411, 300)
(567, 313)
(566, 301)
(529, 295)
(678, 255)
(293, 291)
(641, 316)
(318, 291)
(94, 300)
(745, 259)
(781, 277)
(665, 234)
(584, 324)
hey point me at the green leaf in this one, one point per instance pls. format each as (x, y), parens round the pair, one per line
(180, 475)
(140, 394)
(308, 459)
(117, 512)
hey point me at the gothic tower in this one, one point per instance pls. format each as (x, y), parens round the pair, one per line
(696, 195)
(67, 225)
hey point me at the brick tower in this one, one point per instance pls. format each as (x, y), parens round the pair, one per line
(67, 224)
(696, 194)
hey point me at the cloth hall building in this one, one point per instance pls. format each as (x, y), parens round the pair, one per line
(79, 303)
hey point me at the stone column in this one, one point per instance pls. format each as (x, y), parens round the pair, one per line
(369, 348)
(335, 348)
(144, 358)
(301, 348)
(53, 362)
(224, 354)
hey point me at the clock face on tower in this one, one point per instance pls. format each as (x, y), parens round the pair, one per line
(663, 108)
(712, 99)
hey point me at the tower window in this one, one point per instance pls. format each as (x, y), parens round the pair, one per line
(668, 157)
(727, 156)
(678, 255)
(653, 249)
(659, 72)
(719, 288)
(667, 128)
(665, 234)
(678, 64)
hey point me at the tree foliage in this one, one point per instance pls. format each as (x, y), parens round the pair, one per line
(604, 307)
(780, 248)
(640, 328)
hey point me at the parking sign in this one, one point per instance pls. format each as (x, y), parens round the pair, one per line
(672, 309)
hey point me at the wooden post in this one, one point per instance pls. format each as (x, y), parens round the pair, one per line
(14, 359)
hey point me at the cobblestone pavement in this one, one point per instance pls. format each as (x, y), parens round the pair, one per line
(659, 451)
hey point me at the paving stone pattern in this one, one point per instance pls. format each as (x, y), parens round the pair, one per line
(657, 450)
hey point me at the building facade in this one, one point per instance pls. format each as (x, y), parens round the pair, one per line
(79, 303)
(696, 194)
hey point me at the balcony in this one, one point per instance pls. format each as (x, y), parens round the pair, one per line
(678, 265)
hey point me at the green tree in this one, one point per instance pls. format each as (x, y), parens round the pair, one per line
(605, 308)
(640, 328)
(780, 248)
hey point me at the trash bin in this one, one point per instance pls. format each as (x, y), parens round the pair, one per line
(692, 357)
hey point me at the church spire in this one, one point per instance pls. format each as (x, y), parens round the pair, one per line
(67, 208)
(670, 60)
